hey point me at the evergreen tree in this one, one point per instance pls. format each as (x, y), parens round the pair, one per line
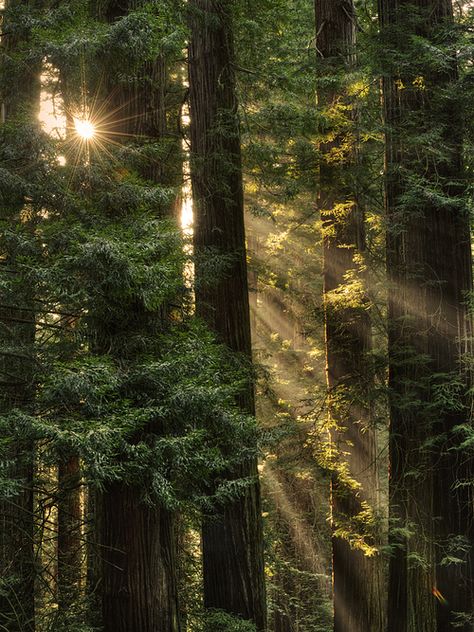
(138, 542)
(357, 600)
(127, 404)
(20, 148)
(232, 542)
(430, 276)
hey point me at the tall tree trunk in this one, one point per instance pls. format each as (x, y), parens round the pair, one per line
(20, 106)
(356, 577)
(138, 542)
(232, 543)
(139, 564)
(430, 273)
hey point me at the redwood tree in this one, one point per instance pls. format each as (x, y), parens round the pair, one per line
(430, 273)
(356, 580)
(137, 540)
(232, 542)
(20, 108)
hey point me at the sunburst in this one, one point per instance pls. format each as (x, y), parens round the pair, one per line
(84, 128)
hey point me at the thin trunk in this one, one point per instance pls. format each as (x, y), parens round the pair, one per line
(232, 542)
(92, 529)
(20, 106)
(356, 577)
(429, 268)
(69, 534)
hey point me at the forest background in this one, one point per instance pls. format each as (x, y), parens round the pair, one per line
(206, 426)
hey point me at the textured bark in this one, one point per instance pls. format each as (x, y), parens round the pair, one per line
(232, 543)
(20, 106)
(137, 542)
(139, 564)
(357, 580)
(430, 272)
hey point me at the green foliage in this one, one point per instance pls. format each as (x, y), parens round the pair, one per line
(218, 620)
(124, 375)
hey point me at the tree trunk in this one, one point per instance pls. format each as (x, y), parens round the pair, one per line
(356, 578)
(138, 542)
(430, 274)
(139, 564)
(20, 106)
(232, 543)
(69, 534)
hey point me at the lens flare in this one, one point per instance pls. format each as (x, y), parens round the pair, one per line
(84, 128)
(439, 597)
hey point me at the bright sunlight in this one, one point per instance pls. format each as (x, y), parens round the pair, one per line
(84, 128)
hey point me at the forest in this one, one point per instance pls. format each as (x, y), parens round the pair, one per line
(236, 316)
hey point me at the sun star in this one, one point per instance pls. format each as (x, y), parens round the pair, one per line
(84, 128)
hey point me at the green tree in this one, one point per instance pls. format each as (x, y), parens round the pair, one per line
(21, 151)
(138, 541)
(232, 541)
(357, 600)
(430, 275)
